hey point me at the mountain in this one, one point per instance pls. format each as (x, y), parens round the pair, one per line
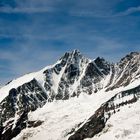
(74, 99)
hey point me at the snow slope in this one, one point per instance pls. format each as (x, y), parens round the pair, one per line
(124, 125)
(60, 117)
(15, 83)
(39, 76)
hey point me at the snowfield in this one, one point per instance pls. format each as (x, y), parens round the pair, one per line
(124, 125)
(61, 116)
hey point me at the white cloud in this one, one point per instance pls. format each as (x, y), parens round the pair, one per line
(129, 11)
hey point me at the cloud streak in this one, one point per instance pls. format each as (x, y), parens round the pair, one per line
(129, 11)
(106, 14)
(35, 33)
(36, 7)
(27, 10)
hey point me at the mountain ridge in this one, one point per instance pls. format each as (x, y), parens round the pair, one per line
(71, 76)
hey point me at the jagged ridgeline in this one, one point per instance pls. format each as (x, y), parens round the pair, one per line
(72, 75)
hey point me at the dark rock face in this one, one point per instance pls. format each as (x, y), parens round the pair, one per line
(91, 128)
(29, 97)
(11, 131)
(34, 123)
(95, 72)
(19, 102)
(126, 71)
(103, 65)
(20, 125)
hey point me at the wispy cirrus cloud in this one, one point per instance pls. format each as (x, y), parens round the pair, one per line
(35, 33)
(27, 6)
(129, 11)
(73, 8)
(96, 14)
(27, 10)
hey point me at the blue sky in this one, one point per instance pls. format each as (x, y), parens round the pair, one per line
(35, 33)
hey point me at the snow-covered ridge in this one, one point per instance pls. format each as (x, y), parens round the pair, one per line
(15, 83)
(40, 76)
(72, 76)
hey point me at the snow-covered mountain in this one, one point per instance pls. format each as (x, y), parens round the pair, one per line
(74, 99)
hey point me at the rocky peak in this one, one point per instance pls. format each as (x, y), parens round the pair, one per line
(103, 65)
(74, 54)
(132, 57)
(130, 61)
(126, 71)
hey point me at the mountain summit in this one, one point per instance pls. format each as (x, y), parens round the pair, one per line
(72, 77)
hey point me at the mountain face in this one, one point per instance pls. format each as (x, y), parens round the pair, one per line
(71, 77)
